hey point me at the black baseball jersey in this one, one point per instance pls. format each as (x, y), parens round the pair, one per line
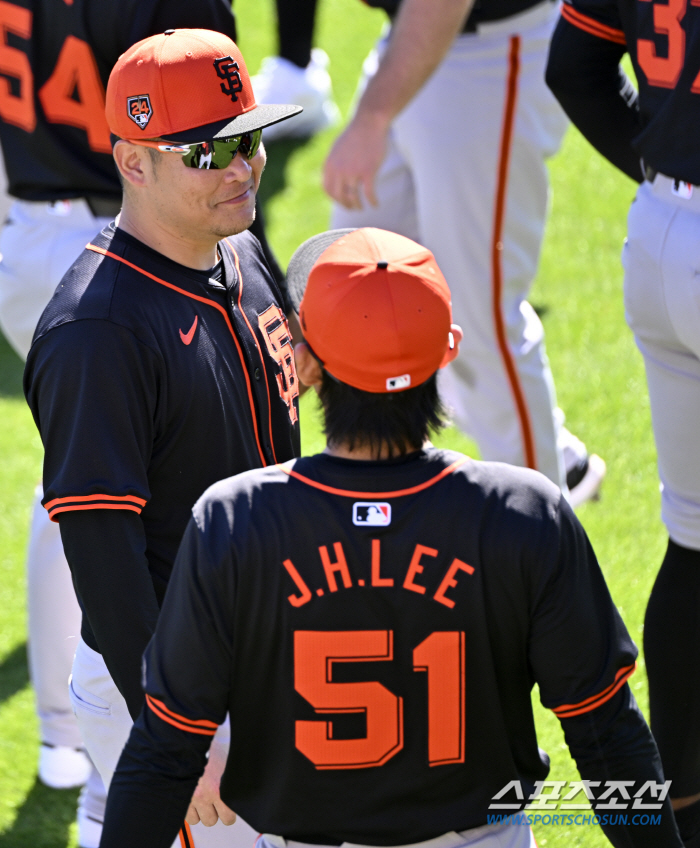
(374, 630)
(55, 58)
(663, 41)
(482, 10)
(149, 381)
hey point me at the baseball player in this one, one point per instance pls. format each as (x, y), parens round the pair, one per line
(448, 147)
(652, 138)
(66, 189)
(163, 361)
(378, 673)
(298, 74)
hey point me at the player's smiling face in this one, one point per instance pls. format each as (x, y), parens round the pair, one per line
(217, 203)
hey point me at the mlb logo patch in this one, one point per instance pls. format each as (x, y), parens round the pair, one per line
(394, 383)
(139, 109)
(371, 514)
(682, 190)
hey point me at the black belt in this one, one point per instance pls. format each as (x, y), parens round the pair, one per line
(650, 175)
(484, 13)
(104, 207)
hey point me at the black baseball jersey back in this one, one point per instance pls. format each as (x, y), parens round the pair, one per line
(663, 40)
(149, 382)
(56, 57)
(374, 630)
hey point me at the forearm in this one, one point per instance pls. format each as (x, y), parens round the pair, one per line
(613, 742)
(584, 74)
(106, 553)
(420, 38)
(153, 784)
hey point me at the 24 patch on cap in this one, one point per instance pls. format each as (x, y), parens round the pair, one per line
(139, 109)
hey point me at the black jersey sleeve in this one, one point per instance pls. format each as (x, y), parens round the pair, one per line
(106, 551)
(579, 648)
(187, 669)
(614, 743)
(584, 73)
(93, 391)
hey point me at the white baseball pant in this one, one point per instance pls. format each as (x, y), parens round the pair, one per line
(488, 836)
(465, 175)
(105, 725)
(661, 258)
(38, 244)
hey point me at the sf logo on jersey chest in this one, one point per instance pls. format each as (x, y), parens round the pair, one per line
(140, 109)
(371, 514)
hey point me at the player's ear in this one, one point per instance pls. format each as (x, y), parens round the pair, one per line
(308, 367)
(456, 336)
(133, 162)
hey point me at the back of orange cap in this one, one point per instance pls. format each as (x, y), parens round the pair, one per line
(374, 307)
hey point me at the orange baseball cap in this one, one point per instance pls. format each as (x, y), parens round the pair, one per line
(186, 85)
(374, 307)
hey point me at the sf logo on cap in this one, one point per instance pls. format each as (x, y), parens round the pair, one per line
(227, 69)
(139, 109)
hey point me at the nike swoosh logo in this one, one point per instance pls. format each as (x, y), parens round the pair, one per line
(187, 337)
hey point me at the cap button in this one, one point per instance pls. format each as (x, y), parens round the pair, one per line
(169, 32)
(382, 264)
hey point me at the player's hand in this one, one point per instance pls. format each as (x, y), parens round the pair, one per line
(206, 805)
(354, 160)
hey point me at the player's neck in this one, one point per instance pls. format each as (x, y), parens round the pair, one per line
(197, 254)
(364, 451)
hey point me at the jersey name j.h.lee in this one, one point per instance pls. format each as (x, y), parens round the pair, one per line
(394, 658)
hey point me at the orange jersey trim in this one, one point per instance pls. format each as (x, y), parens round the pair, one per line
(593, 27)
(208, 303)
(571, 710)
(185, 834)
(81, 498)
(199, 726)
(257, 346)
(81, 502)
(497, 255)
(373, 495)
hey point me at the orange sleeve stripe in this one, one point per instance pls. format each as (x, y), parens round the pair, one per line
(593, 27)
(346, 493)
(87, 498)
(571, 710)
(200, 726)
(185, 834)
(54, 512)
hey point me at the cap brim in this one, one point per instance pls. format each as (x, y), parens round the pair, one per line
(304, 259)
(263, 115)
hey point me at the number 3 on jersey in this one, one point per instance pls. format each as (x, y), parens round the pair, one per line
(441, 655)
(665, 71)
(75, 76)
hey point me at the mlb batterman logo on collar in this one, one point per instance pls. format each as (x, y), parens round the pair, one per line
(198, 89)
(374, 308)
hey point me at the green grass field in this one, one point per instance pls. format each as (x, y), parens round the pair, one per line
(598, 373)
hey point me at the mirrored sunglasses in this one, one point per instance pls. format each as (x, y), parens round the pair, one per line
(210, 155)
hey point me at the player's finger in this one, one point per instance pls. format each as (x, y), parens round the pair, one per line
(226, 814)
(192, 816)
(368, 188)
(207, 814)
